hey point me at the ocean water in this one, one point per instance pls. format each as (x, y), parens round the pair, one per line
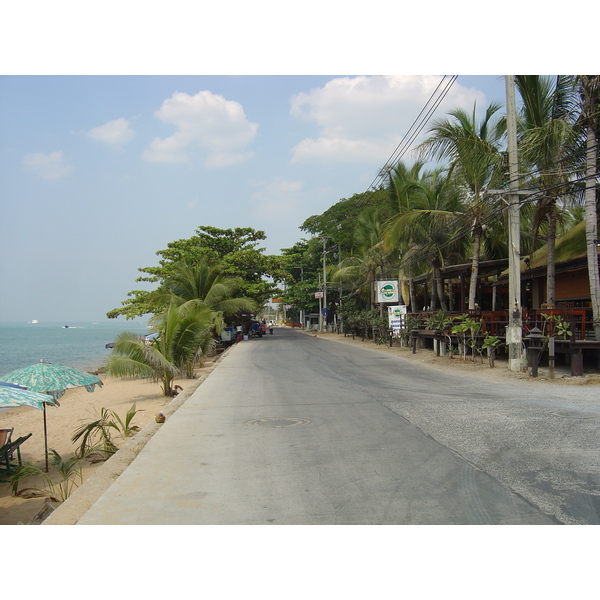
(81, 345)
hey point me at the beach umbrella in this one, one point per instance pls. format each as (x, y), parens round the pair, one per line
(12, 385)
(13, 396)
(52, 379)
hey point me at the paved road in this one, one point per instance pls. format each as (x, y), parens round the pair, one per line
(292, 429)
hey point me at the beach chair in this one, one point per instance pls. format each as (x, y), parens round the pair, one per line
(5, 435)
(7, 451)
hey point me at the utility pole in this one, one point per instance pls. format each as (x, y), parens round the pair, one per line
(324, 282)
(514, 330)
(320, 306)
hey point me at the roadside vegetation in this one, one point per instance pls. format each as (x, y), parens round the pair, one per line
(424, 217)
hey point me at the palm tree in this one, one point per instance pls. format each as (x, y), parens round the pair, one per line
(589, 90)
(472, 148)
(546, 143)
(369, 261)
(430, 225)
(203, 284)
(180, 341)
(402, 182)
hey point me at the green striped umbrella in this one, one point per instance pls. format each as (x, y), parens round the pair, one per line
(52, 379)
(11, 397)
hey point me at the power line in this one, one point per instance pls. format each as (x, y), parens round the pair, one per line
(410, 135)
(494, 214)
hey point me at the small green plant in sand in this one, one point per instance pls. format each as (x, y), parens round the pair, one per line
(57, 491)
(96, 441)
(468, 329)
(491, 344)
(559, 326)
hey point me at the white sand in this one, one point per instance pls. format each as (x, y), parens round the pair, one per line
(77, 407)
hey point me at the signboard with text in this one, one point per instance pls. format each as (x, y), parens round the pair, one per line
(397, 317)
(387, 291)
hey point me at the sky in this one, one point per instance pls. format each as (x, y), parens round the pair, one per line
(100, 172)
(112, 148)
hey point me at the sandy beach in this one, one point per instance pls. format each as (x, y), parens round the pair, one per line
(77, 407)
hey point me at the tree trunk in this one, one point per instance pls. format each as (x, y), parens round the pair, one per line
(589, 92)
(474, 268)
(551, 268)
(439, 282)
(413, 296)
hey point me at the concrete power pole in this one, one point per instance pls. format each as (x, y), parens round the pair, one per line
(325, 282)
(514, 330)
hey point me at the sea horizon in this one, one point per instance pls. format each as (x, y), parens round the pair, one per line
(78, 344)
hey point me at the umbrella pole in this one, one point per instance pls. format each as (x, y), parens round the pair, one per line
(45, 438)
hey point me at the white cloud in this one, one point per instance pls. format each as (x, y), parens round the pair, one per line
(113, 133)
(278, 198)
(364, 119)
(207, 121)
(47, 166)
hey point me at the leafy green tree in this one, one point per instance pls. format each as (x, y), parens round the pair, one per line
(338, 223)
(403, 183)
(303, 263)
(234, 249)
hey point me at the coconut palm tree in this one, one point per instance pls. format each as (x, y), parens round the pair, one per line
(547, 139)
(402, 183)
(472, 149)
(180, 340)
(369, 261)
(430, 223)
(203, 284)
(589, 91)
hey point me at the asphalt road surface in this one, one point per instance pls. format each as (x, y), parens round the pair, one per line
(293, 429)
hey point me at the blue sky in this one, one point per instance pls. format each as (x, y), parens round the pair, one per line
(100, 172)
(103, 162)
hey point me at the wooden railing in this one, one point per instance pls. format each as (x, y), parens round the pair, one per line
(495, 322)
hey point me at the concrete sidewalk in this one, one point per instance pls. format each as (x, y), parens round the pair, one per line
(84, 497)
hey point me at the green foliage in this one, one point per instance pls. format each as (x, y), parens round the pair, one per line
(235, 253)
(555, 326)
(125, 428)
(339, 222)
(96, 436)
(414, 322)
(69, 470)
(491, 341)
(183, 337)
(491, 344)
(439, 321)
(468, 328)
